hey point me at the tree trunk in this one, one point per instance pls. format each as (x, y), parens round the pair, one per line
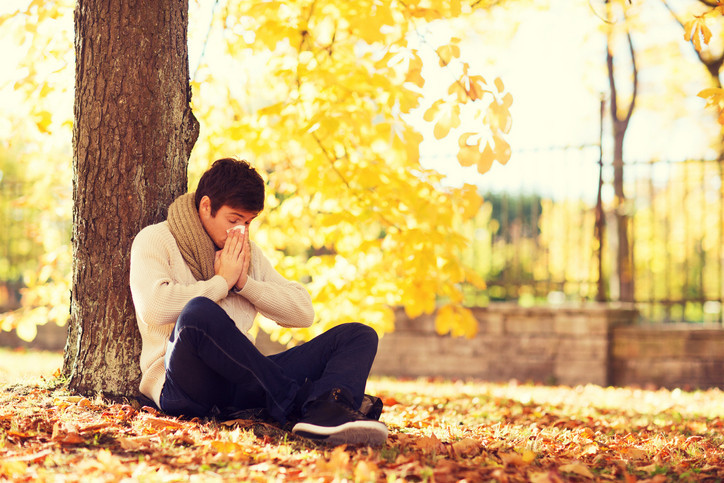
(624, 255)
(132, 136)
(620, 118)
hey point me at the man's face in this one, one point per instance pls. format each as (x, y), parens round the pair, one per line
(226, 217)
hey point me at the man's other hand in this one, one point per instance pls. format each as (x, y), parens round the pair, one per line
(229, 261)
(246, 260)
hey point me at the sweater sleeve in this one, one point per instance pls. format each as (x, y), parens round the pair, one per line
(157, 296)
(286, 302)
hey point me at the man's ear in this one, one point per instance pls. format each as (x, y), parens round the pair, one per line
(205, 206)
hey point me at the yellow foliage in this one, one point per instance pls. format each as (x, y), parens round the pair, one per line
(456, 321)
(714, 97)
(317, 96)
(697, 32)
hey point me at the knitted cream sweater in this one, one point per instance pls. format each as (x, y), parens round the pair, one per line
(162, 284)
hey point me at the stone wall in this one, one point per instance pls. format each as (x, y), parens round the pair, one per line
(592, 343)
(677, 355)
(564, 345)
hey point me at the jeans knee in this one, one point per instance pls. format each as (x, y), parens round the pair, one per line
(363, 333)
(199, 312)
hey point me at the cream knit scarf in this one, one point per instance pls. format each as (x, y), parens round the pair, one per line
(197, 248)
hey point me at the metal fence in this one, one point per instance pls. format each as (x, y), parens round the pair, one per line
(550, 239)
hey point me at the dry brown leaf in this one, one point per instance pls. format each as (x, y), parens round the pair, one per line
(544, 477)
(136, 443)
(655, 479)
(32, 457)
(577, 469)
(467, 447)
(65, 435)
(634, 453)
(94, 427)
(429, 444)
(512, 459)
(161, 423)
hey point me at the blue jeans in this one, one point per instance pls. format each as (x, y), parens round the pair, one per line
(209, 362)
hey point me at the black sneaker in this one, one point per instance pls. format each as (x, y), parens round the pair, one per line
(332, 420)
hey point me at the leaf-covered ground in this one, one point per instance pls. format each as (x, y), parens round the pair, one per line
(439, 431)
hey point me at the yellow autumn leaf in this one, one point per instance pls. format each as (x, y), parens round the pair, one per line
(713, 94)
(486, 159)
(458, 90)
(714, 97)
(431, 112)
(43, 120)
(447, 53)
(469, 154)
(477, 89)
(474, 279)
(414, 71)
(499, 84)
(502, 150)
(697, 32)
(449, 119)
(471, 200)
(456, 321)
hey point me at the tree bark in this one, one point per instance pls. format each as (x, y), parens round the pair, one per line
(132, 136)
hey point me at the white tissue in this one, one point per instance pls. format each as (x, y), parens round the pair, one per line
(241, 228)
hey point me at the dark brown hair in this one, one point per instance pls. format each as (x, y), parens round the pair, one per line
(233, 183)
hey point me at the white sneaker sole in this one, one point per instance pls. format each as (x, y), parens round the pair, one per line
(372, 433)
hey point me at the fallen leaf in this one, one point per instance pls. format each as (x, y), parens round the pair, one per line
(366, 471)
(64, 435)
(655, 479)
(577, 469)
(161, 423)
(512, 459)
(429, 444)
(33, 457)
(18, 434)
(226, 446)
(338, 461)
(467, 447)
(634, 453)
(544, 477)
(93, 427)
(135, 443)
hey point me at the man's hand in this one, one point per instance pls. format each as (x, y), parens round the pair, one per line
(246, 260)
(229, 261)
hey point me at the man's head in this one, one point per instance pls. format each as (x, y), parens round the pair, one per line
(230, 193)
(232, 183)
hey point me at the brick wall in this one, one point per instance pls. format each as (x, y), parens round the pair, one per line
(565, 345)
(686, 356)
(597, 344)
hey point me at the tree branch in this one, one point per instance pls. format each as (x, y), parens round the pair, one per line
(635, 77)
(713, 64)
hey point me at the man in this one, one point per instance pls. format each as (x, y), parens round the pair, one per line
(198, 282)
